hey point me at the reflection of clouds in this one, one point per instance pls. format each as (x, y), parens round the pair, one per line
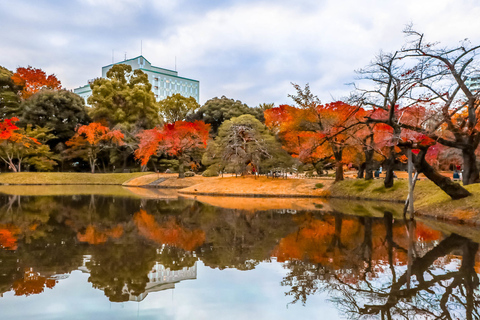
(215, 294)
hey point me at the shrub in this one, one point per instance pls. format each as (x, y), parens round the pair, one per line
(319, 185)
(309, 173)
(211, 172)
(189, 174)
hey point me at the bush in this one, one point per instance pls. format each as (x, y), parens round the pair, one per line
(211, 172)
(319, 185)
(189, 174)
(309, 174)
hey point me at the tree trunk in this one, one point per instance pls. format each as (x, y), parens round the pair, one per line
(339, 172)
(470, 171)
(92, 166)
(338, 162)
(181, 169)
(454, 190)
(361, 170)
(389, 174)
(369, 164)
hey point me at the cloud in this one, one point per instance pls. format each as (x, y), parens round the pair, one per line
(246, 50)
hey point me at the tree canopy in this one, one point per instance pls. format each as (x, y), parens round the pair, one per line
(177, 107)
(9, 94)
(217, 110)
(124, 99)
(244, 141)
(61, 111)
(32, 80)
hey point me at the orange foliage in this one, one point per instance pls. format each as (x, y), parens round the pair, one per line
(93, 134)
(9, 236)
(32, 283)
(89, 140)
(170, 233)
(174, 139)
(425, 234)
(33, 80)
(94, 236)
(316, 132)
(313, 242)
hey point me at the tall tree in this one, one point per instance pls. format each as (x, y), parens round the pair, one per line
(124, 100)
(33, 80)
(244, 141)
(62, 111)
(177, 107)
(90, 140)
(9, 94)
(313, 131)
(180, 139)
(441, 76)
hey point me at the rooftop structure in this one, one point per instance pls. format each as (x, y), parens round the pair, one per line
(164, 82)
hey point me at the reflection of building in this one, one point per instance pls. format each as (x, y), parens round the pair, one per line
(164, 82)
(161, 278)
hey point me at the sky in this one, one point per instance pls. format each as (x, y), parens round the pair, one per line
(249, 50)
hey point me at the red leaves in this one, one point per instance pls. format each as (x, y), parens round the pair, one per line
(173, 139)
(7, 127)
(8, 134)
(34, 80)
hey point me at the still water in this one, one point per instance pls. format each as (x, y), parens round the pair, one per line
(97, 256)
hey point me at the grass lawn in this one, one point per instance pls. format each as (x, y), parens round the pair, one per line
(54, 178)
(261, 186)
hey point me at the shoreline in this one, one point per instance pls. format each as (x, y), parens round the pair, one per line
(430, 201)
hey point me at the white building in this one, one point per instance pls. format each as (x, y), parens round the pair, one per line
(164, 82)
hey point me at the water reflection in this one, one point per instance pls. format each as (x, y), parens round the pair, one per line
(370, 265)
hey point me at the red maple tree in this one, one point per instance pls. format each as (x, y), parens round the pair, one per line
(90, 139)
(13, 144)
(33, 80)
(179, 139)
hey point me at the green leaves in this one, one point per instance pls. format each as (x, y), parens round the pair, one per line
(124, 100)
(177, 107)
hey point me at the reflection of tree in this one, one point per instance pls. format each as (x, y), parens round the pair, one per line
(240, 239)
(121, 269)
(175, 258)
(364, 280)
(446, 295)
(32, 283)
(170, 232)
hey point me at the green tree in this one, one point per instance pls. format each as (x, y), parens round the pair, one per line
(124, 100)
(9, 94)
(177, 107)
(61, 111)
(244, 141)
(217, 110)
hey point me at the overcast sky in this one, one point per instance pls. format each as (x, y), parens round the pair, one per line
(250, 50)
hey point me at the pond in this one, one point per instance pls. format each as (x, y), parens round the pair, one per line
(100, 253)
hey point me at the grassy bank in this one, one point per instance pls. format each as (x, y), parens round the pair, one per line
(64, 178)
(260, 187)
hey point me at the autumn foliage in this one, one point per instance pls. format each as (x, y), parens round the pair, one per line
(8, 236)
(33, 80)
(13, 144)
(32, 283)
(179, 139)
(169, 232)
(94, 236)
(90, 139)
